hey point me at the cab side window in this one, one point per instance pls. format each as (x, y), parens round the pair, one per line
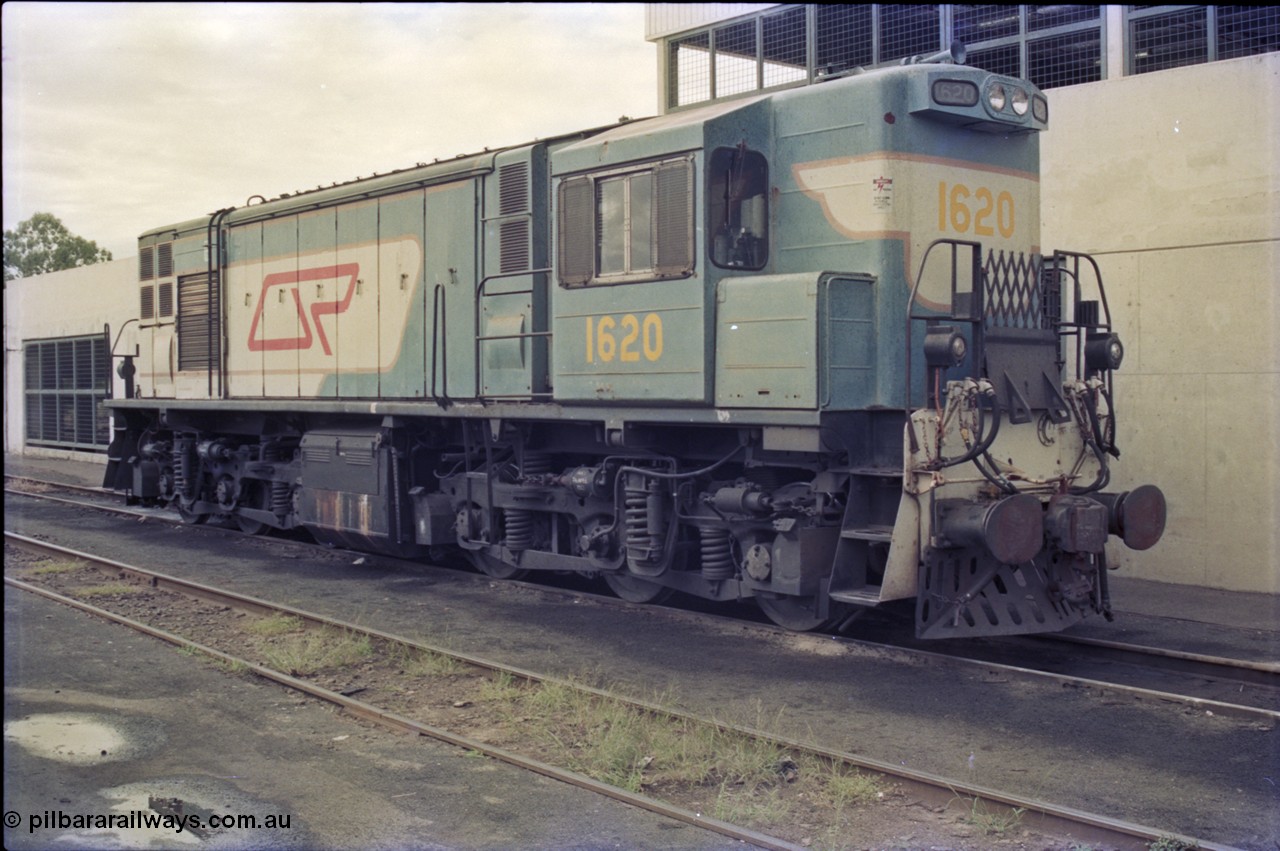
(627, 225)
(737, 208)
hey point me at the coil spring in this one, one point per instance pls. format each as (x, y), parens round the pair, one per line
(535, 464)
(281, 492)
(519, 526)
(717, 553)
(636, 512)
(181, 467)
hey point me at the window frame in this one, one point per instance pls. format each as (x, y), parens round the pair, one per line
(579, 231)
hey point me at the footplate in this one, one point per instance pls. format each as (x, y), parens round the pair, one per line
(966, 593)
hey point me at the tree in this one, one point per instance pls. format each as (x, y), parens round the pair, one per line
(43, 244)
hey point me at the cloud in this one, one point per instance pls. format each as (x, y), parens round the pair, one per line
(123, 117)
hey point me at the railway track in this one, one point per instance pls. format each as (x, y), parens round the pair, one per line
(1048, 816)
(1213, 684)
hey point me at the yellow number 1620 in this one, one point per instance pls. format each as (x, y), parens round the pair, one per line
(625, 338)
(979, 210)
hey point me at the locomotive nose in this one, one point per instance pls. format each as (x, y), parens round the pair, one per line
(1137, 516)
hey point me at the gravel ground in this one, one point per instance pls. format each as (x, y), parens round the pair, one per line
(135, 718)
(1164, 766)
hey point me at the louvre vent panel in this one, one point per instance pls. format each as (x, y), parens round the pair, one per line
(165, 292)
(673, 215)
(198, 337)
(165, 260)
(147, 304)
(317, 454)
(146, 264)
(513, 189)
(577, 233)
(514, 246)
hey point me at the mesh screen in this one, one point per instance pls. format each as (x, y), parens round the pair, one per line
(1169, 40)
(974, 24)
(998, 60)
(735, 59)
(1065, 60)
(908, 31)
(1049, 16)
(690, 70)
(783, 37)
(1247, 30)
(843, 38)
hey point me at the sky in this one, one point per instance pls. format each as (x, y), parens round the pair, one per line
(122, 117)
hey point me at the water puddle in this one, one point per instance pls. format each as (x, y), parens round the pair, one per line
(72, 737)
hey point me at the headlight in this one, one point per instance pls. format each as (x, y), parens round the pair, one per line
(1040, 109)
(996, 97)
(1019, 101)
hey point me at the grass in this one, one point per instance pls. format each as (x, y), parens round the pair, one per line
(46, 568)
(993, 823)
(275, 625)
(307, 652)
(416, 662)
(110, 589)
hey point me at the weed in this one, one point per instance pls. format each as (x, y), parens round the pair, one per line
(110, 589)
(750, 805)
(305, 653)
(993, 823)
(1172, 843)
(416, 662)
(845, 784)
(501, 689)
(45, 568)
(273, 625)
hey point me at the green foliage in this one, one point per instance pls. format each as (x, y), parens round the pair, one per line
(43, 244)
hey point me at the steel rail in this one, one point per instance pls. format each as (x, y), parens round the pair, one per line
(1053, 816)
(1209, 704)
(1180, 655)
(394, 721)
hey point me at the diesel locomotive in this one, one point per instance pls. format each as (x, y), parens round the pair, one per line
(800, 347)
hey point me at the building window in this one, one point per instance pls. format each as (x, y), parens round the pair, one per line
(1161, 37)
(625, 225)
(1051, 46)
(737, 208)
(65, 381)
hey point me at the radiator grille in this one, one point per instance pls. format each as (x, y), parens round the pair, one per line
(198, 337)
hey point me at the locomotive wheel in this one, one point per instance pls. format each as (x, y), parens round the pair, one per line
(795, 613)
(494, 567)
(635, 589)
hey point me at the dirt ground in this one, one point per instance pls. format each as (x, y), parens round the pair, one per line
(790, 804)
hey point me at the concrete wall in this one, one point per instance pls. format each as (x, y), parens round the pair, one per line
(1172, 181)
(71, 303)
